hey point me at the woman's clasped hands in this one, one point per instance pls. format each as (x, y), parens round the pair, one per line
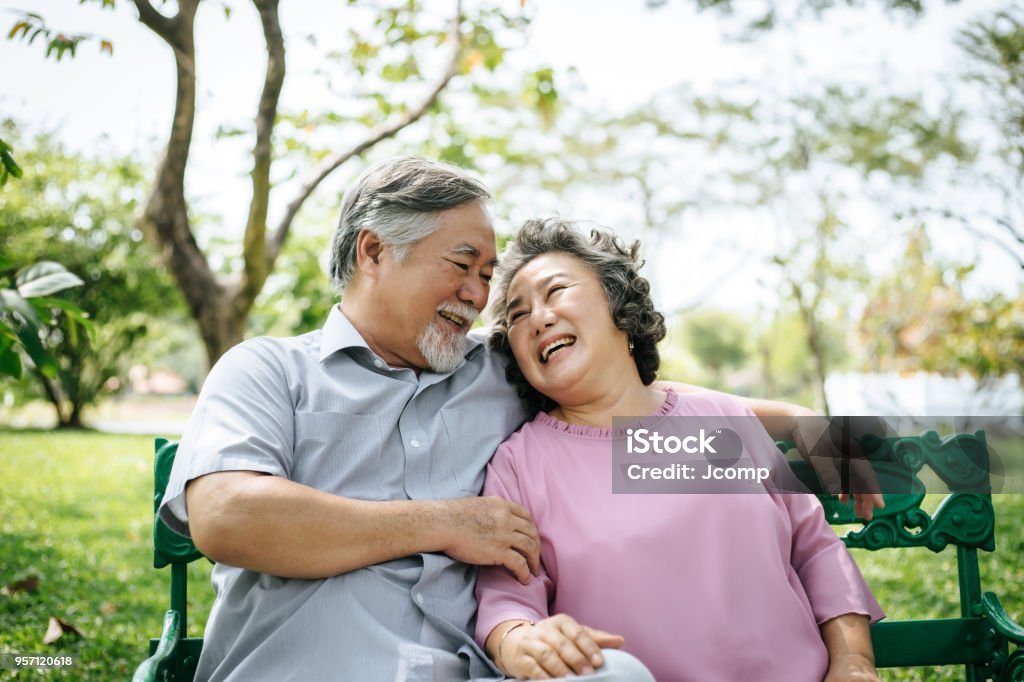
(554, 647)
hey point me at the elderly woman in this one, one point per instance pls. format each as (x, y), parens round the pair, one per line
(698, 587)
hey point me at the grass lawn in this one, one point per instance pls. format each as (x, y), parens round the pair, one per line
(76, 509)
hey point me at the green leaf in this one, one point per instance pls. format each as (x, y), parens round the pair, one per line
(28, 334)
(8, 162)
(44, 278)
(12, 300)
(10, 361)
(76, 316)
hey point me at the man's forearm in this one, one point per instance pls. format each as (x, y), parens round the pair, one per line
(768, 411)
(272, 525)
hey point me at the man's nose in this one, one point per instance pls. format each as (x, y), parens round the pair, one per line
(474, 292)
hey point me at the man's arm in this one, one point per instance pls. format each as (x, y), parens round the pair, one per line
(768, 411)
(272, 525)
(780, 421)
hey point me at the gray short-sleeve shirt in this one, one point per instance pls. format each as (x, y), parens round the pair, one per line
(324, 410)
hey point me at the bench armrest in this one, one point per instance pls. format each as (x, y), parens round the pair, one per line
(1001, 620)
(148, 669)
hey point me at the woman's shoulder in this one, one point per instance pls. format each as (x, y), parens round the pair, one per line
(532, 440)
(705, 402)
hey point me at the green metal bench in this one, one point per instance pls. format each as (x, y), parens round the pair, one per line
(984, 639)
(174, 656)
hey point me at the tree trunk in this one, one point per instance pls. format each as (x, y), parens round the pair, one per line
(74, 420)
(818, 353)
(220, 304)
(53, 394)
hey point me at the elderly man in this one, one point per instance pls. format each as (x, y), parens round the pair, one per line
(334, 476)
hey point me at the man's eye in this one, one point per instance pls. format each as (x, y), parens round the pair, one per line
(460, 266)
(486, 278)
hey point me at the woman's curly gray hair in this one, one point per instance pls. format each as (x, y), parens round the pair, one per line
(616, 267)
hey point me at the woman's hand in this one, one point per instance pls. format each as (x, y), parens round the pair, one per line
(554, 647)
(851, 668)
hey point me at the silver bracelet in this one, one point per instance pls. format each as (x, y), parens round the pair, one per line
(505, 634)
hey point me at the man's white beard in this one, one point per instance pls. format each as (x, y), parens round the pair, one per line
(443, 350)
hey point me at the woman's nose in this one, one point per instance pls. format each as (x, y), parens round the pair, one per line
(542, 317)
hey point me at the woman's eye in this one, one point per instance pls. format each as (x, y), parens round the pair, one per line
(515, 316)
(555, 289)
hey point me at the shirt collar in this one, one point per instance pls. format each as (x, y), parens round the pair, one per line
(339, 333)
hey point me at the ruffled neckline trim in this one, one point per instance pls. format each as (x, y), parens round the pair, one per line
(585, 431)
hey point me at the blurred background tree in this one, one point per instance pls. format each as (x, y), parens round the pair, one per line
(822, 186)
(79, 210)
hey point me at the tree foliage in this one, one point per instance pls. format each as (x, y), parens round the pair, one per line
(919, 317)
(718, 339)
(385, 77)
(79, 210)
(995, 47)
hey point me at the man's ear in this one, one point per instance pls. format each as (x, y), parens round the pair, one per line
(368, 251)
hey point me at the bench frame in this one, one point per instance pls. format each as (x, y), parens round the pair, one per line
(980, 639)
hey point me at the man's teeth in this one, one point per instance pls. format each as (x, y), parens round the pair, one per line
(453, 318)
(561, 344)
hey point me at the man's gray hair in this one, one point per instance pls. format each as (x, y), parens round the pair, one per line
(398, 200)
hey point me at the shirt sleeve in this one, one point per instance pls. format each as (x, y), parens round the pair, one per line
(830, 576)
(243, 421)
(501, 597)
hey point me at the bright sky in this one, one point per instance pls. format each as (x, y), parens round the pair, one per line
(623, 52)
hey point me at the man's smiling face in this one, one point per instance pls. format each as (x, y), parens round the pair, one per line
(432, 296)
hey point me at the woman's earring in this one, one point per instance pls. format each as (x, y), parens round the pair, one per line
(631, 346)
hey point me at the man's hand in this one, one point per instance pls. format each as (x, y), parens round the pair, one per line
(786, 421)
(822, 444)
(555, 647)
(492, 531)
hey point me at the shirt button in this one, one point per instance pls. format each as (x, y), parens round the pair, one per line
(379, 363)
(415, 443)
(419, 599)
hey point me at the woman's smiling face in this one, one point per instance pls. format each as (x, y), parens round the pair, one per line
(561, 330)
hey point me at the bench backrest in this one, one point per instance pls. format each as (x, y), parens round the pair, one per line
(964, 519)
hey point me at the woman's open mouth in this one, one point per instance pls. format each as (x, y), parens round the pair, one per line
(554, 347)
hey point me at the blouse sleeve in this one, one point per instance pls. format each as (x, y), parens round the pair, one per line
(500, 595)
(830, 576)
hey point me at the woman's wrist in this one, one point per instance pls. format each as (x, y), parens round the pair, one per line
(498, 645)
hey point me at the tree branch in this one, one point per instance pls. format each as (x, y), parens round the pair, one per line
(376, 135)
(983, 235)
(257, 264)
(157, 22)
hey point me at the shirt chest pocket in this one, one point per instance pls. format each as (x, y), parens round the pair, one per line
(470, 448)
(340, 453)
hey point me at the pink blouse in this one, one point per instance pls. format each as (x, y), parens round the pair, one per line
(702, 587)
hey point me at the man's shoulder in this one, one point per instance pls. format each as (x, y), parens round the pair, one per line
(278, 347)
